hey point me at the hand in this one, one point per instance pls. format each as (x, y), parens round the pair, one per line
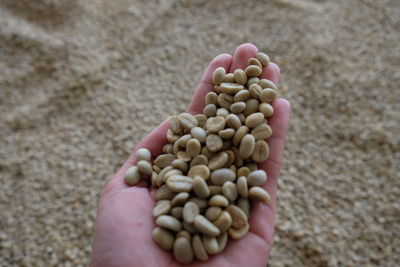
(124, 223)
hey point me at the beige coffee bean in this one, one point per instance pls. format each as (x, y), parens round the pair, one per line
(259, 193)
(231, 88)
(198, 248)
(222, 112)
(200, 202)
(206, 152)
(261, 132)
(167, 148)
(264, 83)
(183, 156)
(255, 91)
(164, 160)
(187, 120)
(193, 147)
(132, 176)
(233, 121)
(212, 213)
(215, 124)
(199, 160)
(229, 78)
(226, 144)
(226, 133)
(244, 204)
(240, 133)
(210, 245)
(242, 186)
(238, 107)
(171, 173)
(218, 201)
(183, 140)
(214, 142)
(180, 164)
(220, 176)
(180, 199)
(252, 166)
(223, 222)
(169, 222)
(222, 240)
(156, 169)
(199, 133)
(239, 218)
(247, 146)
(252, 80)
(190, 211)
(254, 119)
(154, 178)
(230, 191)
(253, 71)
(231, 158)
(179, 183)
(263, 59)
(200, 187)
(177, 212)
(267, 95)
(201, 119)
(182, 249)
(189, 227)
(217, 89)
(240, 76)
(163, 238)
(251, 106)
(144, 167)
(266, 109)
(163, 193)
(143, 154)
(238, 160)
(218, 161)
(215, 190)
(254, 61)
(199, 170)
(160, 176)
(218, 75)
(211, 98)
(210, 110)
(241, 96)
(204, 226)
(243, 171)
(184, 234)
(162, 207)
(175, 125)
(241, 117)
(238, 233)
(261, 151)
(225, 100)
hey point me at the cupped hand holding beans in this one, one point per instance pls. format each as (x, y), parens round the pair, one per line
(201, 188)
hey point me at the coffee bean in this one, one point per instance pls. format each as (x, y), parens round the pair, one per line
(143, 154)
(223, 222)
(183, 156)
(218, 75)
(266, 109)
(226, 133)
(233, 121)
(154, 178)
(167, 149)
(210, 245)
(252, 166)
(163, 238)
(201, 119)
(243, 171)
(246, 146)
(261, 132)
(218, 201)
(229, 78)
(199, 170)
(212, 213)
(190, 211)
(240, 76)
(182, 249)
(132, 176)
(259, 193)
(238, 107)
(204, 226)
(187, 121)
(215, 124)
(206, 152)
(189, 227)
(144, 167)
(211, 98)
(231, 88)
(255, 91)
(163, 193)
(230, 191)
(164, 160)
(184, 234)
(261, 151)
(238, 233)
(180, 199)
(171, 173)
(251, 106)
(201, 203)
(225, 100)
(199, 134)
(267, 95)
(214, 142)
(199, 160)
(254, 61)
(215, 190)
(175, 125)
(200, 187)
(244, 205)
(239, 218)
(239, 134)
(193, 147)
(231, 158)
(198, 248)
(177, 212)
(169, 222)
(263, 59)
(223, 112)
(160, 176)
(264, 83)
(222, 240)
(253, 71)
(179, 164)
(210, 110)
(242, 186)
(226, 144)
(241, 96)
(255, 119)
(252, 80)
(218, 161)
(162, 207)
(179, 183)
(220, 176)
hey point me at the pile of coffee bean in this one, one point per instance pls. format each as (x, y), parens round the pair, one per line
(208, 172)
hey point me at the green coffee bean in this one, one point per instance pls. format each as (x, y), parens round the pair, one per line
(201, 119)
(267, 95)
(238, 107)
(238, 233)
(210, 110)
(263, 59)
(254, 61)
(220, 176)
(164, 160)
(264, 83)
(242, 187)
(244, 204)
(247, 145)
(261, 151)
(199, 170)
(266, 109)
(223, 222)
(179, 183)
(169, 222)
(179, 164)
(199, 134)
(210, 245)
(215, 190)
(182, 249)
(143, 154)
(225, 100)
(255, 119)
(240, 76)
(261, 132)
(231, 88)
(218, 75)
(180, 199)
(243, 171)
(252, 80)
(218, 161)
(163, 238)
(251, 106)
(163, 193)
(233, 121)
(222, 240)
(226, 133)
(144, 167)
(187, 121)
(204, 226)
(212, 213)
(239, 218)
(215, 124)
(198, 248)
(211, 98)
(132, 176)
(218, 201)
(229, 190)
(259, 193)
(177, 212)
(241, 96)
(253, 71)
(200, 187)
(214, 143)
(190, 211)
(193, 147)
(229, 78)
(239, 134)
(162, 207)
(223, 112)
(199, 160)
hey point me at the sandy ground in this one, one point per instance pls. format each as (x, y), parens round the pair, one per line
(82, 81)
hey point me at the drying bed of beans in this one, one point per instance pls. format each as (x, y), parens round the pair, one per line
(208, 176)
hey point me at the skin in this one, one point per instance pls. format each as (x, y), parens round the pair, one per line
(124, 223)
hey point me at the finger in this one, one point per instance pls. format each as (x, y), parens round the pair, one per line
(197, 104)
(242, 54)
(262, 220)
(271, 72)
(154, 142)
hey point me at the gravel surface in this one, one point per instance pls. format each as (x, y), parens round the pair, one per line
(81, 82)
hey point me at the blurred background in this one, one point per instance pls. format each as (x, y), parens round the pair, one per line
(81, 82)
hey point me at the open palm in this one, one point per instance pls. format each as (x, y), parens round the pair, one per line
(124, 223)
